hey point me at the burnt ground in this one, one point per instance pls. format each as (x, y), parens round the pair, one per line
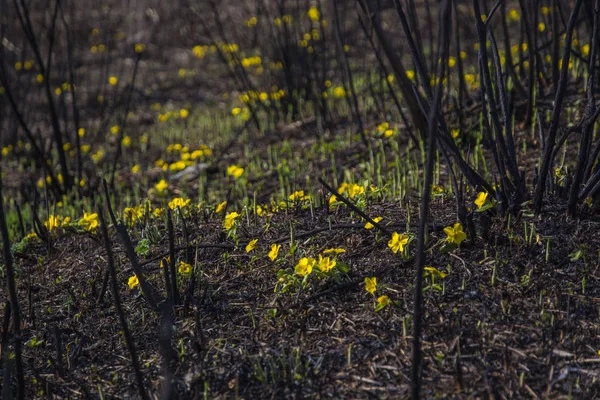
(510, 321)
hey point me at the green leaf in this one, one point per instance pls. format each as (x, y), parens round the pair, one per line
(448, 247)
(143, 247)
(488, 204)
(342, 267)
(576, 256)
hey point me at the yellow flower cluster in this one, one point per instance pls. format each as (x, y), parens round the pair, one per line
(200, 51)
(133, 214)
(243, 113)
(252, 96)
(161, 187)
(228, 47)
(383, 129)
(56, 221)
(251, 23)
(287, 19)
(235, 171)
(248, 62)
(472, 80)
(164, 117)
(276, 65)
(299, 196)
(351, 190)
(178, 202)
(305, 265)
(187, 157)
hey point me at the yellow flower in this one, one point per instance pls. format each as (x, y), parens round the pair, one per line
(161, 186)
(335, 251)
(260, 211)
(305, 266)
(251, 245)
(314, 14)
(274, 251)
(199, 51)
(397, 242)
(113, 80)
(235, 171)
(326, 264)
(89, 221)
(585, 49)
(158, 212)
(371, 285)
(369, 225)
(410, 74)
(435, 190)
(221, 207)
(455, 133)
(339, 91)
(135, 169)
(434, 271)
(354, 189)
(382, 302)
(54, 221)
(481, 199)
(178, 202)
(332, 200)
(184, 268)
(114, 129)
(133, 214)
(183, 113)
(126, 141)
(133, 281)
(230, 220)
(298, 196)
(455, 234)
(140, 47)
